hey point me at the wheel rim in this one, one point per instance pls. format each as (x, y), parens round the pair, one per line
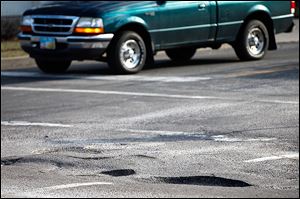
(130, 54)
(256, 41)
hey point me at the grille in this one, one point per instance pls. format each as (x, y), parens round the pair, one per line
(57, 25)
(51, 29)
(53, 21)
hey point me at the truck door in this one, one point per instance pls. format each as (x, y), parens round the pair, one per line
(183, 22)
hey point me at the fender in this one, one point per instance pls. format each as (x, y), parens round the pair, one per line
(131, 20)
(259, 8)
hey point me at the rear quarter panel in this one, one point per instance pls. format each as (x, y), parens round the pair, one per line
(232, 15)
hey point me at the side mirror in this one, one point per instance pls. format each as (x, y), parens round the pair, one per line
(160, 3)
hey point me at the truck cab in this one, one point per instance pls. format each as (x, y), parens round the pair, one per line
(127, 34)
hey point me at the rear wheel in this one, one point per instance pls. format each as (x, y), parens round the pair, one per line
(127, 53)
(181, 54)
(52, 66)
(253, 41)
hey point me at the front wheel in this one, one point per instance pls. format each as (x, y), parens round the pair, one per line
(181, 54)
(52, 66)
(253, 41)
(127, 53)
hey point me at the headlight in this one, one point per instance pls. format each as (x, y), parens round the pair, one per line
(26, 21)
(85, 22)
(91, 26)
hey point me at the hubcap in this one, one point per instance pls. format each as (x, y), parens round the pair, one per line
(130, 54)
(256, 41)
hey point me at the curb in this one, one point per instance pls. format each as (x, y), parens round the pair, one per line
(14, 58)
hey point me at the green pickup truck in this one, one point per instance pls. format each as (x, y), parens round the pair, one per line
(127, 34)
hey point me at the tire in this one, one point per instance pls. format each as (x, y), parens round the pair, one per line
(253, 41)
(53, 67)
(181, 54)
(127, 53)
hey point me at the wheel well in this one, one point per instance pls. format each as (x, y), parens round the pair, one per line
(266, 19)
(142, 31)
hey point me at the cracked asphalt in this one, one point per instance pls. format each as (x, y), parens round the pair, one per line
(213, 127)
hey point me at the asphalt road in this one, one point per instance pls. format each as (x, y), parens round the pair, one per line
(214, 127)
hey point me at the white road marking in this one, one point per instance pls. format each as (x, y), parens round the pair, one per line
(103, 92)
(162, 132)
(106, 92)
(75, 185)
(286, 156)
(41, 192)
(279, 101)
(109, 78)
(222, 138)
(23, 123)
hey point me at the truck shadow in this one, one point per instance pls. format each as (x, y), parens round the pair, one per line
(91, 69)
(102, 68)
(94, 69)
(194, 62)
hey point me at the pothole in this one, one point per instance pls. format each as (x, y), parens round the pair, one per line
(119, 173)
(144, 156)
(80, 149)
(89, 158)
(49, 161)
(66, 149)
(9, 161)
(200, 181)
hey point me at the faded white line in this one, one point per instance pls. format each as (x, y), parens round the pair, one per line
(75, 185)
(41, 192)
(161, 132)
(222, 138)
(178, 79)
(286, 156)
(279, 101)
(106, 92)
(23, 123)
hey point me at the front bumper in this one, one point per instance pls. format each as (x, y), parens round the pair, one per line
(67, 47)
